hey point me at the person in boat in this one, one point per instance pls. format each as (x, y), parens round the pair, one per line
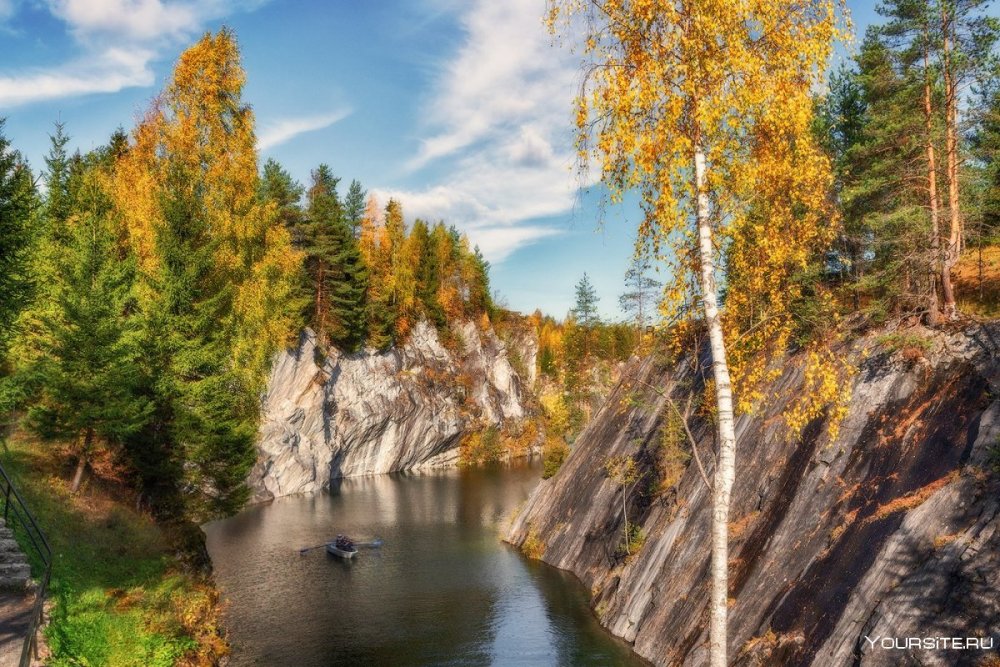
(345, 543)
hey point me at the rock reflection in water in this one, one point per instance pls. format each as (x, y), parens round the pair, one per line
(441, 591)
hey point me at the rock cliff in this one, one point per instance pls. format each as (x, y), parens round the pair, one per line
(892, 530)
(371, 412)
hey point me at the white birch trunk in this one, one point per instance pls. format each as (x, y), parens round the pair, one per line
(725, 471)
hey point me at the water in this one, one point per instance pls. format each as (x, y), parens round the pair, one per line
(442, 590)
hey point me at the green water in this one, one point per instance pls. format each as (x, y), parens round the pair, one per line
(442, 590)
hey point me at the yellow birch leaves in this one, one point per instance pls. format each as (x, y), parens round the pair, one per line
(737, 78)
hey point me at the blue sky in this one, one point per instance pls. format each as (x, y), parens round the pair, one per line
(459, 108)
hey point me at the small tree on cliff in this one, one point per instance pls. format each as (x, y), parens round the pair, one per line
(624, 473)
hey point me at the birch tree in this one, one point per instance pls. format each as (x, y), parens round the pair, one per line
(704, 107)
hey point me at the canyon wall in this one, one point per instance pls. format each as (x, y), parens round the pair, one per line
(376, 412)
(892, 529)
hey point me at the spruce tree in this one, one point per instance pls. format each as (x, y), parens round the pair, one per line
(57, 180)
(17, 204)
(278, 186)
(86, 382)
(354, 207)
(585, 308)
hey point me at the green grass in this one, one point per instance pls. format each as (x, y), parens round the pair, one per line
(119, 598)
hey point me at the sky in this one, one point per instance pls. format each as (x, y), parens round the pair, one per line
(461, 109)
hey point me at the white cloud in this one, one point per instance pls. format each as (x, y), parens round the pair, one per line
(133, 19)
(278, 132)
(106, 72)
(498, 128)
(140, 30)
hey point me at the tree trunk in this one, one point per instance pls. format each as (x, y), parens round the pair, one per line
(625, 516)
(932, 304)
(81, 461)
(320, 310)
(951, 148)
(725, 471)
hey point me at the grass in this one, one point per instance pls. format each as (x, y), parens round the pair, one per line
(533, 547)
(119, 596)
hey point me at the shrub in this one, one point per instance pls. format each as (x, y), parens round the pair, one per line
(533, 547)
(556, 452)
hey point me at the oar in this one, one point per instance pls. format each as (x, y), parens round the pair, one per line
(318, 546)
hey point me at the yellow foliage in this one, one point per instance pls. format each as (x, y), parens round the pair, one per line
(736, 80)
(196, 144)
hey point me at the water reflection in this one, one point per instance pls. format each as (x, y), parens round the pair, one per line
(442, 591)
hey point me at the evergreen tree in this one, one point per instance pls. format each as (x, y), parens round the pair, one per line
(883, 176)
(986, 148)
(641, 295)
(217, 282)
(278, 186)
(57, 177)
(17, 203)
(585, 309)
(335, 267)
(424, 260)
(354, 207)
(86, 380)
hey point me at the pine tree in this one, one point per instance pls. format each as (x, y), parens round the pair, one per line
(354, 207)
(336, 270)
(883, 181)
(424, 260)
(642, 292)
(18, 236)
(585, 308)
(86, 389)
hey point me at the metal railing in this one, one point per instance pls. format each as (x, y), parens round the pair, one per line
(17, 517)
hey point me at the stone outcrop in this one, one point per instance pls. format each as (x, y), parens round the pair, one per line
(376, 412)
(891, 530)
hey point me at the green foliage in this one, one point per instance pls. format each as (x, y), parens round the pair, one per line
(556, 451)
(278, 187)
(354, 207)
(632, 542)
(585, 307)
(896, 341)
(883, 258)
(336, 272)
(85, 377)
(116, 600)
(17, 204)
(641, 296)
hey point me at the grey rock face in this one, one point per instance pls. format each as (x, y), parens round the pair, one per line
(370, 412)
(891, 530)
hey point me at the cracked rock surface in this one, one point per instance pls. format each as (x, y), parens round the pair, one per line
(892, 529)
(376, 412)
